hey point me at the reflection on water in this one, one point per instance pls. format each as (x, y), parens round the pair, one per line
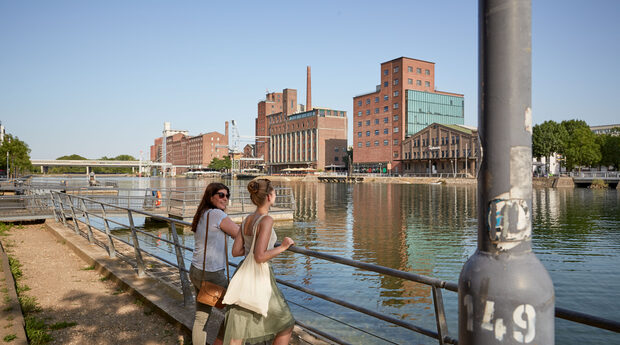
(432, 230)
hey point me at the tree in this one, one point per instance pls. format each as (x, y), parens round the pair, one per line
(548, 138)
(581, 148)
(610, 149)
(18, 153)
(220, 164)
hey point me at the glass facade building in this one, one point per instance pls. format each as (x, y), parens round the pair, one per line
(425, 108)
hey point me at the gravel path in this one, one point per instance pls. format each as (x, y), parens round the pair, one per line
(69, 291)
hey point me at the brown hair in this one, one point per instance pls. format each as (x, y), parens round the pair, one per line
(259, 189)
(205, 203)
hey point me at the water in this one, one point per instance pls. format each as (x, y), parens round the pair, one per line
(431, 230)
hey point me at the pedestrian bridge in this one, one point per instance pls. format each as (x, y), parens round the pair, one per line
(587, 177)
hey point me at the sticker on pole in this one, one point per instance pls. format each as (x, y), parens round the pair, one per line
(508, 222)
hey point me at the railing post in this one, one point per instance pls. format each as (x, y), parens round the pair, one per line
(111, 249)
(136, 246)
(76, 226)
(56, 212)
(185, 284)
(90, 229)
(62, 211)
(440, 314)
(505, 294)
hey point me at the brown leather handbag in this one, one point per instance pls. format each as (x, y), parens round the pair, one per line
(210, 293)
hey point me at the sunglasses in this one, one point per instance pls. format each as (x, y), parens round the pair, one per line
(222, 195)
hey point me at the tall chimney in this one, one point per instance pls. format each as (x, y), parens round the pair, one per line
(226, 130)
(308, 92)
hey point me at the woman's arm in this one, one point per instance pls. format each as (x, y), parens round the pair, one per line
(261, 254)
(229, 227)
(237, 248)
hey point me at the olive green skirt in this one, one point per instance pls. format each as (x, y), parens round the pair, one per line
(253, 327)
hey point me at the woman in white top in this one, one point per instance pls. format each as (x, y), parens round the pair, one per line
(213, 204)
(243, 324)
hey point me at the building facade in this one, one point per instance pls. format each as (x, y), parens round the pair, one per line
(404, 103)
(606, 129)
(441, 149)
(191, 151)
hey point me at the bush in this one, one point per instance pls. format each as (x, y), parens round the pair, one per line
(598, 184)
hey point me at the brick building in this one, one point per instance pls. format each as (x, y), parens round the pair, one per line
(404, 103)
(442, 148)
(195, 151)
(291, 135)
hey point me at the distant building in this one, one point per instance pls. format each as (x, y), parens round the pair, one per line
(606, 129)
(191, 151)
(440, 148)
(404, 103)
(2, 133)
(291, 135)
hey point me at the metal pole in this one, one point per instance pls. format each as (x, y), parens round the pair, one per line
(111, 249)
(185, 284)
(136, 246)
(77, 227)
(85, 215)
(505, 294)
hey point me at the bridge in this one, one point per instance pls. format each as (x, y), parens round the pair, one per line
(587, 177)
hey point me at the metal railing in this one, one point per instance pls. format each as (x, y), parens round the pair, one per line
(74, 210)
(596, 174)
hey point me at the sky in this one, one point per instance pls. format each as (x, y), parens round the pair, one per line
(99, 78)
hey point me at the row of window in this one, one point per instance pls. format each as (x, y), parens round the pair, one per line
(385, 143)
(435, 141)
(409, 69)
(385, 98)
(385, 109)
(385, 131)
(385, 120)
(435, 154)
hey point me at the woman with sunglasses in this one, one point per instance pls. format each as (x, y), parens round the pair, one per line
(243, 324)
(211, 207)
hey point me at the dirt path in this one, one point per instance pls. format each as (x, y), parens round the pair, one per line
(68, 291)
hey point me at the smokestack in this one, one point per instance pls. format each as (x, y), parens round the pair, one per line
(308, 92)
(226, 130)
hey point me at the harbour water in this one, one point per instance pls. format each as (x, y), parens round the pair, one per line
(430, 230)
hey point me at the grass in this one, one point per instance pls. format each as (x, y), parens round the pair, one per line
(102, 279)
(15, 268)
(61, 325)
(29, 304)
(118, 291)
(4, 229)
(9, 338)
(88, 268)
(22, 288)
(36, 329)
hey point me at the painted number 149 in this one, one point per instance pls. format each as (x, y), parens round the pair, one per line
(524, 318)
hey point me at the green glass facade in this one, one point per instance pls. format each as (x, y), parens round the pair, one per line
(424, 108)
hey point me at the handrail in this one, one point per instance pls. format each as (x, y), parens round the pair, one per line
(436, 284)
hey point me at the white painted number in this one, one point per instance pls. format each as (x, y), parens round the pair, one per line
(528, 323)
(498, 327)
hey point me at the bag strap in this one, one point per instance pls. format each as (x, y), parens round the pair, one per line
(254, 228)
(204, 257)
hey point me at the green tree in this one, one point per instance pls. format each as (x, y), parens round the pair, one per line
(69, 170)
(610, 149)
(18, 153)
(548, 138)
(581, 148)
(220, 164)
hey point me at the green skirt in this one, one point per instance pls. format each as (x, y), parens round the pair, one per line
(254, 328)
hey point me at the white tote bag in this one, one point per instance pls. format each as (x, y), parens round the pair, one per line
(250, 287)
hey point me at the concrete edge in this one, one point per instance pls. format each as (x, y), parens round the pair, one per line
(19, 325)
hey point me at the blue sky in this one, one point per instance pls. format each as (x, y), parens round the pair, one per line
(100, 77)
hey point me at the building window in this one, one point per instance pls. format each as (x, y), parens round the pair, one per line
(395, 129)
(376, 121)
(359, 103)
(367, 133)
(367, 122)
(376, 110)
(385, 84)
(367, 100)
(359, 134)
(359, 113)
(335, 159)
(427, 72)
(418, 70)
(359, 144)
(409, 69)
(395, 141)
(376, 132)
(395, 117)
(395, 93)
(368, 144)
(386, 97)
(368, 112)
(418, 82)
(376, 99)
(359, 124)
(395, 105)
(427, 83)
(395, 154)
(385, 72)
(395, 81)
(386, 143)
(385, 108)
(385, 120)
(376, 142)
(386, 131)
(396, 69)
(410, 81)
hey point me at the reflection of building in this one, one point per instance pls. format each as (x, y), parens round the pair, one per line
(442, 149)
(404, 103)
(198, 151)
(291, 135)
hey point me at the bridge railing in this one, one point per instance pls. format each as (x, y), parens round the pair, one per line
(595, 174)
(74, 210)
